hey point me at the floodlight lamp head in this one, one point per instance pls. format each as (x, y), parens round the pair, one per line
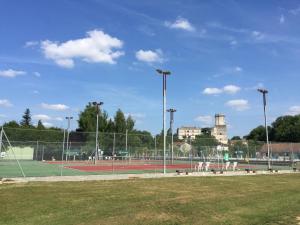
(159, 71)
(171, 110)
(97, 103)
(163, 72)
(264, 91)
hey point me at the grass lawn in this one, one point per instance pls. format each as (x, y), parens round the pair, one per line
(258, 200)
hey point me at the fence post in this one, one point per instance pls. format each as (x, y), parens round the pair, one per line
(113, 153)
(36, 152)
(155, 150)
(43, 153)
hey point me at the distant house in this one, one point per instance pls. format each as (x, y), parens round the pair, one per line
(188, 132)
(283, 151)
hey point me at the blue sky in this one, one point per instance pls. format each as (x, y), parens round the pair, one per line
(58, 55)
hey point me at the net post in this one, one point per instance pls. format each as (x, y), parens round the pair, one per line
(3, 132)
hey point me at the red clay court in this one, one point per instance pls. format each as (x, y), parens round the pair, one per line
(118, 167)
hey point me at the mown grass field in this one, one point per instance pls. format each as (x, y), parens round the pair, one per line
(257, 199)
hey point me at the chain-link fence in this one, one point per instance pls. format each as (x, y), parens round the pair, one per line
(33, 152)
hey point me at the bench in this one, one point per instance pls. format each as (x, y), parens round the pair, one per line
(181, 171)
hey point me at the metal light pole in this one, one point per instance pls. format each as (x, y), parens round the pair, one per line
(69, 118)
(171, 111)
(264, 92)
(164, 73)
(62, 155)
(97, 105)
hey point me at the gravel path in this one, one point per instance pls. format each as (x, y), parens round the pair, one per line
(136, 176)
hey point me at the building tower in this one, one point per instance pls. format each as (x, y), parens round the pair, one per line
(220, 129)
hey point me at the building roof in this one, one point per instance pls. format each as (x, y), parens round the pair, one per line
(190, 128)
(281, 148)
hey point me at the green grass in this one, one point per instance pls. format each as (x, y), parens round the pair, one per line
(261, 199)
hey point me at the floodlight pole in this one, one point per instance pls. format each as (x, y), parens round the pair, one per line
(126, 141)
(164, 73)
(264, 92)
(62, 155)
(97, 105)
(171, 111)
(69, 118)
(1, 137)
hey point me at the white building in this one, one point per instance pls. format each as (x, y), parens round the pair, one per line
(188, 132)
(219, 131)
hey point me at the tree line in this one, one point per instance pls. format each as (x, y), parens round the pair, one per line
(283, 129)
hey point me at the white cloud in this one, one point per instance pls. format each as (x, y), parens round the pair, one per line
(212, 91)
(11, 73)
(5, 103)
(233, 43)
(206, 120)
(282, 19)
(180, 23)
(294, 110)
(45, 119)
(135, 115)
(149, 56)
(31, 44)
(295, 11)
(47, 124)
(36, 92)
(58, 119)
(238, 69)
(255, 87)
(37, 74)
(59, 107)
(96, 47)
(2, 116)
(228, 89)
(42, 117)
(231, 89)
(257, 35)
(238, 104)
(229, 71)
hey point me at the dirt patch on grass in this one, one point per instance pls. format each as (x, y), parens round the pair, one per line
(8, 181)
(298, 219)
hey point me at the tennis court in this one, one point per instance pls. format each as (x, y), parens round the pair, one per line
(32, 168)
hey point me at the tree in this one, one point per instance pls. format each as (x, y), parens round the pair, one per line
(87, 119)
(206, 131)
(203, 141)
(110, 126)
(283, 129)
(40, 125)
(120, 122)
(259, 134)
(11, 124)
(129, 123)
(238, 148)
(287, 129)
(236, 138)
(26, 121)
